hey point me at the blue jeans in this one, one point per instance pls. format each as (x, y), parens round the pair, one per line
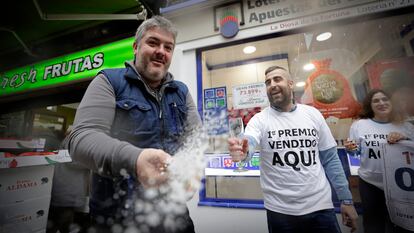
(322, 221)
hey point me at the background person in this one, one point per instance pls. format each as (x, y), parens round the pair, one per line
(69, 211)
(129, 123)
(297, 149)
(379, 123)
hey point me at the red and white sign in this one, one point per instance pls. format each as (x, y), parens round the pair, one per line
(329, 92)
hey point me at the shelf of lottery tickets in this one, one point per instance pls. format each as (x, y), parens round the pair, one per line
(222, 165)
(225, 187)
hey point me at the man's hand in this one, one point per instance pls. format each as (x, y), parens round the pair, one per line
(151, 167)
(238, 148)
(349, 216)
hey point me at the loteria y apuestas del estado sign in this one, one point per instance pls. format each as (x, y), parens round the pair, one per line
(65, 69)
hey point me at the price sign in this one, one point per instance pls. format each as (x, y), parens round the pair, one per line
(250, 96)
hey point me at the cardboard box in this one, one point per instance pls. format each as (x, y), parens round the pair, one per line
(25, 190)
(28, 216)
(20, 184)
(61, 156)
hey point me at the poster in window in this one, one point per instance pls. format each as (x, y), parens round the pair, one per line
(209, 94)
(210, 104)
(220, 92)
(215, 111)
(391, 74)
(329, 91)
(396, 77)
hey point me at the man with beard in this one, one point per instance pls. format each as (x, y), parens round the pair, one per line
(128, 125)
(296, 150)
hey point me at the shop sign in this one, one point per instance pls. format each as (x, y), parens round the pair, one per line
(67, 68)
(284, 15)
(268, 11)
(305, 14)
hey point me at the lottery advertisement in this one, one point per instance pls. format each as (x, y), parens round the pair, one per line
(399, 182)
(250, 96)
(215, 110)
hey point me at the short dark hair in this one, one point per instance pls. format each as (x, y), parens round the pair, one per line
(272, 68)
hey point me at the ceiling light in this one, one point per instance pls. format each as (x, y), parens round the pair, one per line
(300, 84)
(323, 36)
(249, 49)
(309, 66)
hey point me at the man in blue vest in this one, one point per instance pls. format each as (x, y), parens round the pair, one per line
(128, 124)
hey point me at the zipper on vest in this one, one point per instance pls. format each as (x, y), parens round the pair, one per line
(176, 117)
(162, 131)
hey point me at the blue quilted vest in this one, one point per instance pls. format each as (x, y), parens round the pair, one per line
(145, 120)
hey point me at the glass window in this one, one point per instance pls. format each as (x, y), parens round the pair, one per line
(333, 67)
(12, 125)
(50, 123)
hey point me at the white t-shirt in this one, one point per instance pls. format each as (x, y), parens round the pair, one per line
(370, 135)
(292, 177)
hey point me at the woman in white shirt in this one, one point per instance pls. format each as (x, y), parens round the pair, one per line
(379, 123)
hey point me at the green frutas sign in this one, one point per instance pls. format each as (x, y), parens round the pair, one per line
(67, 68)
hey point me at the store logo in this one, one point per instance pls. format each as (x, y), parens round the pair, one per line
(226, 18)
(229, 24)
(22, 184)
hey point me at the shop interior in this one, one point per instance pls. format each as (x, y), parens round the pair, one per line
(333, 67)
(347, 49)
